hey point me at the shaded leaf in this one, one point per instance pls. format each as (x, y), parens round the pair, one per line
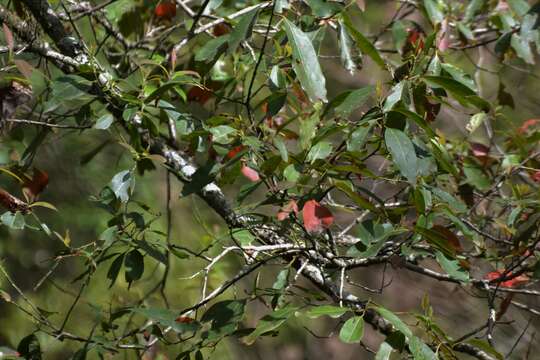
(403, 153)
(134, 263)
(270, 323)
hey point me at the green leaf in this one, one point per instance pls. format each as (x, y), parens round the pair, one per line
(399, 34)
(476, 177)
(270, 323)
(384, 352)
(353, 330)
(282, 148)
(122, 185)
(522, 48)
(291, 174)
(395, 321)
(242, 30)
(434, 11)
(484, 345)
(13, 221)
(109, 235)
(353, 100)
(396, 94)
(520, 7)
(308, 130)
(243, 236)
(465, 30)
(305, 63)
(475, 121)
(323, 8)
(420, 350)
(452, 268)
(282, 279)
(372, 237)
(460, 92)
(472, 9)
(328, 310)
(363, 43)
(69, 92)
(222, 134)
(104, 121)
(224, 317)
(420, 121)
(346, 51)
(134, 263)
(321, 150)
(459, 75)
(212, 49)
(280, 5)
(403, 154)
(503, 42)
(29, 348)
(358, 137)
(347, 188)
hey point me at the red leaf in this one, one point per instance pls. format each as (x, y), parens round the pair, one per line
(34, 186)
(536, 176)
(512, 282)
(184, 319)
(166, 10)
(199, 95)
(316, 217)
(416, 38)
(251, 174)
(234, 151)
(449, 236)
(287, 209)
(221, 29)
(528, 124)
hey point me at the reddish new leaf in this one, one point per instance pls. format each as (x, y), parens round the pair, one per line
(221, 29)
(184, 320)
(34, 186)
(250, 174)
(511, 282)
(234, 151)
(316, 217)
(449, 236)
(287, 209)
(165, 10)
(199, 95)
(536, 176)
(528, 124)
